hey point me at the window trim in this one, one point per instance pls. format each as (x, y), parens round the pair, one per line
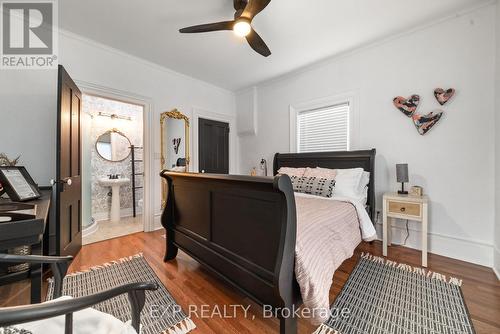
(350, 98)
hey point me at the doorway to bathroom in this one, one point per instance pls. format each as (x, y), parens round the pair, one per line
(112, 168)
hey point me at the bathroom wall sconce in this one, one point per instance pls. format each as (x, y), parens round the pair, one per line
(114, 116)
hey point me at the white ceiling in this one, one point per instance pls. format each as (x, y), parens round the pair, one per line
(298, 32)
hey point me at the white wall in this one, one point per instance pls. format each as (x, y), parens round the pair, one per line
(246, 104)
(28, 120)
(454, 162)
(28, 100)
(497, 150)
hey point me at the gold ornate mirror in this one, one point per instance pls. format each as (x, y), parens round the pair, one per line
(174, 127)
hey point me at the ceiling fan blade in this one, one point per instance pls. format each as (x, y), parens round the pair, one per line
(226, 25)
(258, 44)
(239, 4)
(254, 7)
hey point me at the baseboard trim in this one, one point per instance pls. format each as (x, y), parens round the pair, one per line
(127, 212)
(467, 250)
(90, 229)
(157, 222)
(496, 262)
(496, 273)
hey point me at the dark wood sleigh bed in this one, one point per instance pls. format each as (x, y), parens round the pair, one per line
(243, 228)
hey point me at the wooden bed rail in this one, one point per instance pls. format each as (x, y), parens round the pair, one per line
(241, 228)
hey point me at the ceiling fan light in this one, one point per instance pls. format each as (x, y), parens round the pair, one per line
(242, 28)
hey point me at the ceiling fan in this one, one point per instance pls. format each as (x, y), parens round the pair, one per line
(246, 10)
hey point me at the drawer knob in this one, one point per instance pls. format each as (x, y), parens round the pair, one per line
(403, 209)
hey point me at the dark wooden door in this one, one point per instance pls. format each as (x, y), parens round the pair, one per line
(213, 146)
(68, 181)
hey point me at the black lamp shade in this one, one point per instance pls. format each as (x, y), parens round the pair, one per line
(402, 172)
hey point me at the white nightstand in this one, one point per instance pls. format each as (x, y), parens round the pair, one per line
(405, 207)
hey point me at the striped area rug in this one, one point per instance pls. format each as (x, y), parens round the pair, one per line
(161, 314)
(382, 296)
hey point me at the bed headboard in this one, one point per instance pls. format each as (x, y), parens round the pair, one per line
(351, 159)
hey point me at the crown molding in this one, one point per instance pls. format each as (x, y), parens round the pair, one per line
(155, 66)
(249, 89)
(373, 44)
(315, 65)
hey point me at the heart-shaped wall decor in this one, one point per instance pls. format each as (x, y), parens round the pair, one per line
(443, 96)
(424, 123)
(407, 106)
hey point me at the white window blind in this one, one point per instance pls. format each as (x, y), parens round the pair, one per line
(323, 129)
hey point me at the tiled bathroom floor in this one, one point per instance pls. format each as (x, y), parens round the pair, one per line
(108, 230)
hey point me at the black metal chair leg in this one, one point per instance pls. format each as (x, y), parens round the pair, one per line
(36, 283)
(288, 325)
(137, 300)
(59, 269)
(68, 323)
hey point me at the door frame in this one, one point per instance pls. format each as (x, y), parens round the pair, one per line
(147, 137)
(210, 115)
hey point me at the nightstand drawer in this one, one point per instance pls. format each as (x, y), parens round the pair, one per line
(410, 209)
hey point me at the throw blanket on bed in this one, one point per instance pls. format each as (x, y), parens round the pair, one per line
(328, 231)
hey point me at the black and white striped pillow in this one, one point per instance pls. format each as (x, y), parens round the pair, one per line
(313, 185)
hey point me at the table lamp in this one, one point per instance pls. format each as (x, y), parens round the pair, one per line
(402, 177)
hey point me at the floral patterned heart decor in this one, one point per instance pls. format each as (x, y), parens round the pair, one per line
(443, 96)
(407, 106)
(424, 123)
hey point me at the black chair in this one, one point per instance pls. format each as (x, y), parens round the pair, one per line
(18, 315)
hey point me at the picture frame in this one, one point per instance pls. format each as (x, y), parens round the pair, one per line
(18, 183)
(416, 191)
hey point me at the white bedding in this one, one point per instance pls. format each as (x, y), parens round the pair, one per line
(368, 232)
(328, 232)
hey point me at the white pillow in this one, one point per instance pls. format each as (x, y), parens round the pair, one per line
(181, 169)
(324, 173)
(365, 180)
(290, 171)
(347, 182)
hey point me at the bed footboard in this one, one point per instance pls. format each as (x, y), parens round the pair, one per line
(241, 228)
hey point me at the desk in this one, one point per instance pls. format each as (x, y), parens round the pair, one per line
(28, 232)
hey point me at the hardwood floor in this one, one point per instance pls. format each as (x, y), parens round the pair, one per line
(190, 284)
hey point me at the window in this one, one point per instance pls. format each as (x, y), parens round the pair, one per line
(323, 129)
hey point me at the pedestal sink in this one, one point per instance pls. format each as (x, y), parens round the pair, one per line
(115, 185)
